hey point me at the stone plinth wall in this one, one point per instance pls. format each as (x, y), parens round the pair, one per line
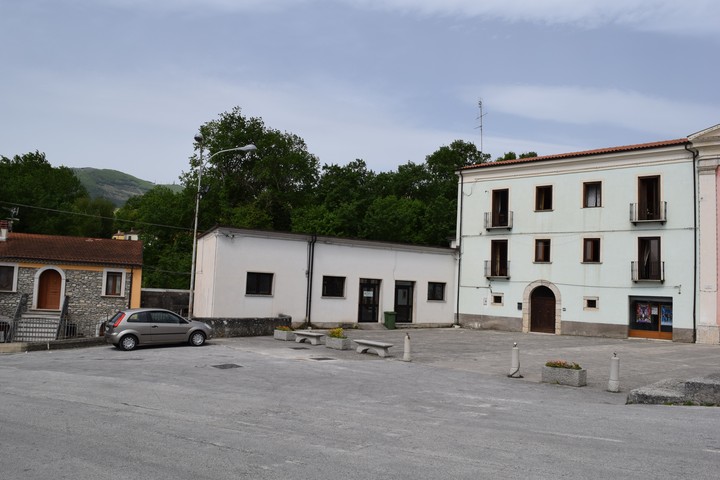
(245, 327)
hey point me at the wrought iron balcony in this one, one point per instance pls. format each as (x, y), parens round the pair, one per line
(648, 271)
(502, 220)
(649, 213)
(497, 269)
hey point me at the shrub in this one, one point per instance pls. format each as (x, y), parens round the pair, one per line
(563, 364)
(336, 333)
(284, 328)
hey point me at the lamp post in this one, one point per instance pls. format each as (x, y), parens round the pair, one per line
(199, 139)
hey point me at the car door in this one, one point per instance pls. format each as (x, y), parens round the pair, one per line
(140, 323)
(168, 327)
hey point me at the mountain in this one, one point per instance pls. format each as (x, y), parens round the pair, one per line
(114, 185)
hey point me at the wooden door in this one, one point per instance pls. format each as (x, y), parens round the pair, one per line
(542, 310)
(49, 290)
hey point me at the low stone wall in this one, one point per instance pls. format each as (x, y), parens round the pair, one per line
(245, 327)
(487, 322)
(587, 329)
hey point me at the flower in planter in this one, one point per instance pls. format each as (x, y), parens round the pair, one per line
(283, 328)
(336, 333)
(563, 364)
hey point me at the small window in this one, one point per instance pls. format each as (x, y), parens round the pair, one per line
(542, 251)
(592, 194)
(259, 283)
(113, 283)
(591, 303)
(591, 250)
(497, 299)
(544, 198)
(333, 286)
(436, 291)
(8, 278)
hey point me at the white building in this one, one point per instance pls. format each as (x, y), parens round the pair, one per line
(328, 281)
(599, 242)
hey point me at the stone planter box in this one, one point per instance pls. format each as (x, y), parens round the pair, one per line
(564, 376)
(284, 335)
(338, 343)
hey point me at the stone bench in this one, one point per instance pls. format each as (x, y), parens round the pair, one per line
(313, 338)
(381, 348)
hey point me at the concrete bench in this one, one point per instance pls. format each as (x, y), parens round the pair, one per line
(313, 338)
(381, 348)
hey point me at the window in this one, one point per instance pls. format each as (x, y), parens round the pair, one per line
(649, 198)
(543, 198)
(259, 283)
(333, 286)
(542, 250)
(592, 194)
(590, 303)
(497, 299)
(498, 265)
(165, 317)
(8, 278)
(591, 250)
(649, 266)
(500, 213)
(436, 291)
(113, 280)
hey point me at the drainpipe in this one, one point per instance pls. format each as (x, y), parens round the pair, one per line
(310, 268)
(695, 153)
(459, 248)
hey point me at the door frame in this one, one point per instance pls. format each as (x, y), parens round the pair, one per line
(410, 287)
(526, 305)
(374, 311)
(36, 284)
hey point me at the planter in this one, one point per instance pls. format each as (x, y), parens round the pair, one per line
(564, 376)
(284, 335)
(338, 343)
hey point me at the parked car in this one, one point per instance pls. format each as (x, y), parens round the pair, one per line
(151, 326)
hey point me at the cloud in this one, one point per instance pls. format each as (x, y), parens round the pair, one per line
(596, 106)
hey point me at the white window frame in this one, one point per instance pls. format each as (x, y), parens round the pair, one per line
(122, 282)
(493, 296)
(587, 300)
(15, 268)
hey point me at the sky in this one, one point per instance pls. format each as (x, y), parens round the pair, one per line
(126, 84)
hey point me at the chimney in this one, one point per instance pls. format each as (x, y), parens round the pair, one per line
(3, 230)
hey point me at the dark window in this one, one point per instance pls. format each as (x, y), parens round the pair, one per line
(591, 303)
(333, 286)
(542, 250)
(499, 258)
(436, 291)
(259, 283)
(591, 250)
(649, 264)
(7, 275)
(649, 198)
(113, 283)
(140, 317)
(544, 198)
(592, 195)
(165, 317)
(500, 212)
(497, 299)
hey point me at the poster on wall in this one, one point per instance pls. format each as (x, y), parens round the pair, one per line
(666, 316)
(642, 314)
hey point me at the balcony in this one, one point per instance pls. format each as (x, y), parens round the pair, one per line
(498, 221)
(648, 214)
(648, 271)
(497, 269)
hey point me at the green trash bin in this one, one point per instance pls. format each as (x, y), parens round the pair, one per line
(390, 320)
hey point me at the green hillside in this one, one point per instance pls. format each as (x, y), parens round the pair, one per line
(114, 185)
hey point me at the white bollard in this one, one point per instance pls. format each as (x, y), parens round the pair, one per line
(515, 362)
(406, 354)
(614, 382)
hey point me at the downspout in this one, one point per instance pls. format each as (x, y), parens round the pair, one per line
(310, 269)
(459, 248)
(695, 153)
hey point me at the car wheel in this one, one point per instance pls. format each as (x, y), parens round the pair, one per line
(128, 342)
(197, 339)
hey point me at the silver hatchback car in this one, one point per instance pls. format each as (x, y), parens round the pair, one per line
(150, 326)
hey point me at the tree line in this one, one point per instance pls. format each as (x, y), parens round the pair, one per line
(280, 186)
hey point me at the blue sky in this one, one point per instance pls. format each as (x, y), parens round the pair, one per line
(125, 84)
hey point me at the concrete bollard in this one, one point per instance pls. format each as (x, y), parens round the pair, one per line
(406, 353)
(515, 363)
(614, 382)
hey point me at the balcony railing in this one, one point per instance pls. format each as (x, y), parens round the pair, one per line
(498, 220)
(656, 213)
(648, 271)
(497, 269)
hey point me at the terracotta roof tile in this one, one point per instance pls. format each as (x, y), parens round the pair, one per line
(50, 248)
(600, 151)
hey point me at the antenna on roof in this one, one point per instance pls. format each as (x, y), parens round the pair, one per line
(480, 117)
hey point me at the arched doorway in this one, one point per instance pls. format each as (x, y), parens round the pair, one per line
(49, 288)
(542, 310)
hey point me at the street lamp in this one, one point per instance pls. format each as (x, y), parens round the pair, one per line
(199, 139)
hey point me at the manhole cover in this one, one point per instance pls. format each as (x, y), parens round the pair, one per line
(322, 358)
(299, 348)
(227, 365)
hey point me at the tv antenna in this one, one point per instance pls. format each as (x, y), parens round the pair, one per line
(480, 118)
